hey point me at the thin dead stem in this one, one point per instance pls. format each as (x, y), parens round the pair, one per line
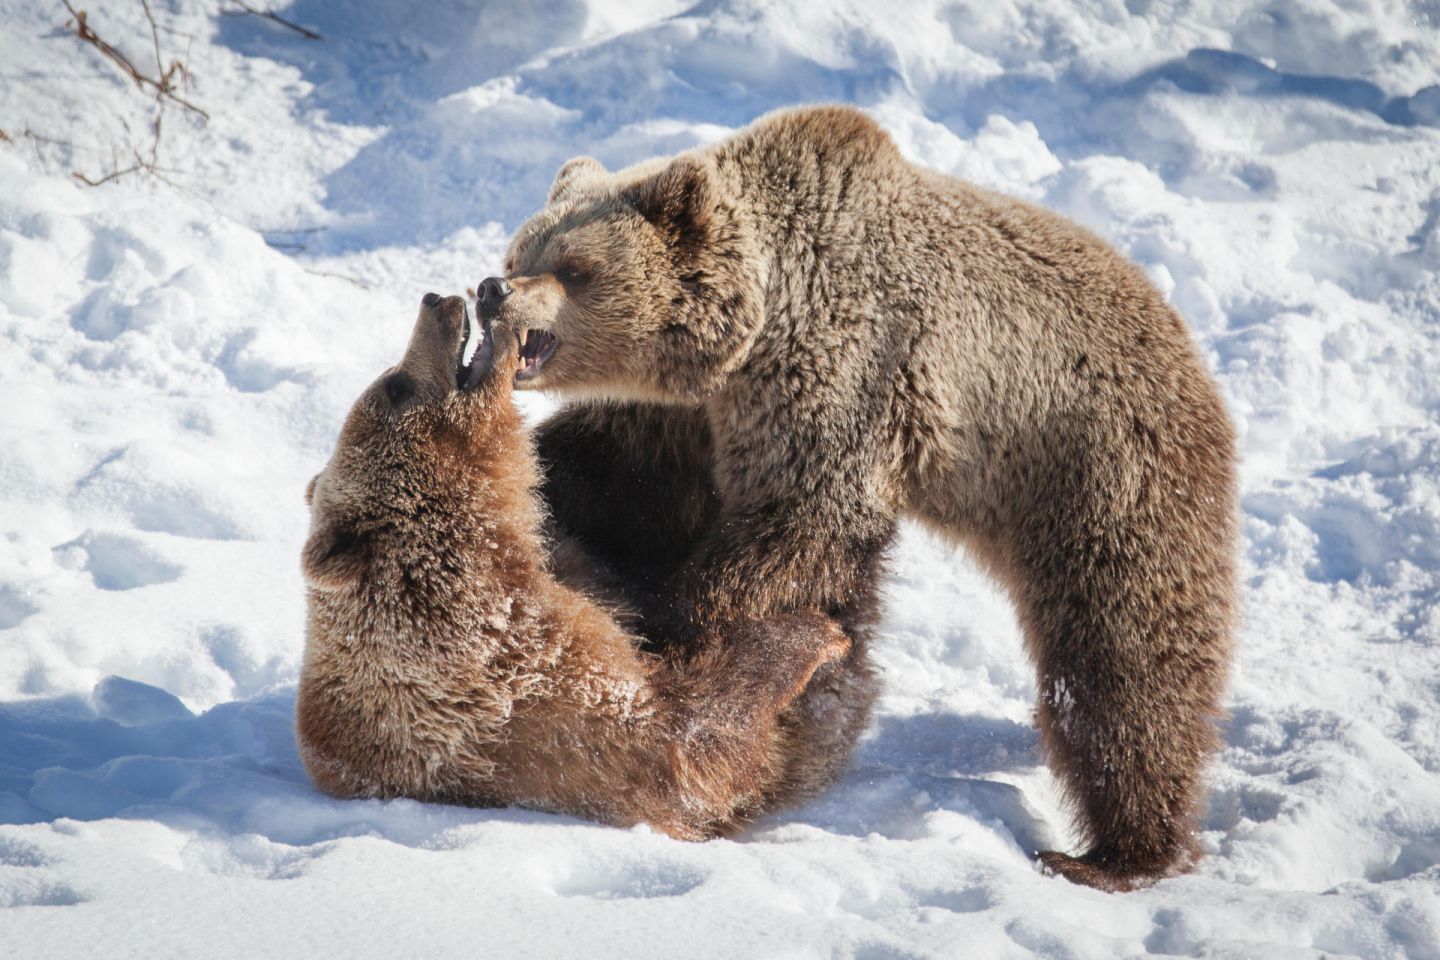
(268, 14)
(164, 84)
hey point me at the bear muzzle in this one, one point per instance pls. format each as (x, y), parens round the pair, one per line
(536, 345)
(490, 295)
(449, 349)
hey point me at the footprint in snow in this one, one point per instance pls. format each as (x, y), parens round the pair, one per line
(116, 562)
(29, 891)
(630, 882)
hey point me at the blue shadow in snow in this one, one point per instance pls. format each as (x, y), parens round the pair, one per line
(234, 768)
(910, 771)
(1213, 72)
(447, 164)
(134, 751)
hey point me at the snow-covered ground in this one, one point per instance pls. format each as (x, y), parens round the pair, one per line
(176, 353)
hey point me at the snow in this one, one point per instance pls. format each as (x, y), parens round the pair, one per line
(176, 354)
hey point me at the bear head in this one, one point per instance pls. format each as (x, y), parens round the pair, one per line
(430, 449)
(643, 284)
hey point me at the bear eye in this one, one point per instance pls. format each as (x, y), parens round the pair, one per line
(572, 273)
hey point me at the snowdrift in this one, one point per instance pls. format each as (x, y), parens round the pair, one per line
(177, 350)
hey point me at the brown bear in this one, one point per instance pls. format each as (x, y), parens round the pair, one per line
(791, 338)
(444, 662)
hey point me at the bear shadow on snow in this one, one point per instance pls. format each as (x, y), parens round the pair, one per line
(238, 768)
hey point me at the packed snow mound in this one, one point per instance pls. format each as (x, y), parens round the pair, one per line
(180, 345)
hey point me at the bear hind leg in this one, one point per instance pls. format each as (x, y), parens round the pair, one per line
(1129, 739)
(1130, 633)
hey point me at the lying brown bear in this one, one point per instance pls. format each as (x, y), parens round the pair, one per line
(445, 662)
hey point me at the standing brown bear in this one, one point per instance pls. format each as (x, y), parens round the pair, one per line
(443, 661)
(800, 337)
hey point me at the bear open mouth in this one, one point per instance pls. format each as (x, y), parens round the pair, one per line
(477, 352)
(537, 347)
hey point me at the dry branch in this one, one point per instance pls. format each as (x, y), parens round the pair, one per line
(164, 84)
(114, 174)
(268, 14)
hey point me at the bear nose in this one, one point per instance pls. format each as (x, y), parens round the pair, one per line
(492, 293)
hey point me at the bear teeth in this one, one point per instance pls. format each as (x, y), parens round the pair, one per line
(477, 354)
(473, 336)
(537, 347)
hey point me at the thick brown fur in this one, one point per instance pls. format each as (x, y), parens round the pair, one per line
(864, 339)
(445, 662)
(655, 462)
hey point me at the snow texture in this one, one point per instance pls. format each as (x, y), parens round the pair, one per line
(176, 353)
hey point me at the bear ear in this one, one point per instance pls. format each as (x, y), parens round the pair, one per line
(310, 490)
(333, 557)
(572, 174)
(680, 200)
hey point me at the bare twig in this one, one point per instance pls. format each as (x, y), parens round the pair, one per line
(291, 240)
(164, 85)
(155, 141)
(338, 276)
(290, 230)
(268, 14)
(115, 174)
(155, 39)
(35, 141)
(31, 135)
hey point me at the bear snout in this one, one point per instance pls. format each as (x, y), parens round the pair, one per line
(490, 295)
